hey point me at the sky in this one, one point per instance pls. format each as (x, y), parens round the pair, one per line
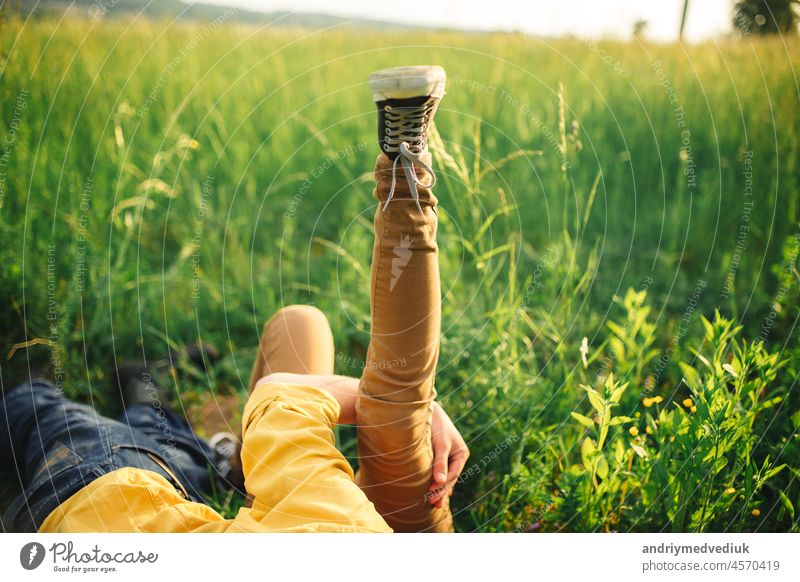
(584, 18)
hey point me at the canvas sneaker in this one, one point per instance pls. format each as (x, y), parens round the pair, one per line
(407, 99)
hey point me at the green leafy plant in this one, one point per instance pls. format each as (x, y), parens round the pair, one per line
(603, 470)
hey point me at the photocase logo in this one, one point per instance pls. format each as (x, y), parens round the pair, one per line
(402, 254)
(31, 555)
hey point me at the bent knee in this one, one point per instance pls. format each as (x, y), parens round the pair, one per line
(306, 315)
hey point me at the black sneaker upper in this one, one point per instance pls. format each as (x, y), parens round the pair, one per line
(402, 104)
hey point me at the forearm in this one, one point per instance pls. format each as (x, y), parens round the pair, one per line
(343, 388)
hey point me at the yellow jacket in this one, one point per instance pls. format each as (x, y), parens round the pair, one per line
(299, 481)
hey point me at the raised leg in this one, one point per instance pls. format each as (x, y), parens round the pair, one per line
(397, 387)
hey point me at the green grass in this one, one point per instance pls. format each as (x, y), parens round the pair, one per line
(169, 182)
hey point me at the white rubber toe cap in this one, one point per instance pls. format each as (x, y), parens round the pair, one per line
(406, 82)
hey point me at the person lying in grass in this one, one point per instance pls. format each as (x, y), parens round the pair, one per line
(149, 472)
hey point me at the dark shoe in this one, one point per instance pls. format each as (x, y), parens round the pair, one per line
(136, 385)
(407, 99)
(201, 355)
(227, 459)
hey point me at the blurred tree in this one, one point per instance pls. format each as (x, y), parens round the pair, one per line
(639, 28)
(765, 16)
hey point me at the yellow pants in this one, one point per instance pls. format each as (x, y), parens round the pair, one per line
(297, 478)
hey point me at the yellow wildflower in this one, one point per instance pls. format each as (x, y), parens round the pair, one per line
(658, 399)
(648, 402)
(693, 409)
(688, 402)
(730, 491)
(648, 430)
(756, 512)
(634, 431)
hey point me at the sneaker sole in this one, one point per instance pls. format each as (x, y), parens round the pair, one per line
(406, 82)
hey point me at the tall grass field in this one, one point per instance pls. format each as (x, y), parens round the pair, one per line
(619, 244)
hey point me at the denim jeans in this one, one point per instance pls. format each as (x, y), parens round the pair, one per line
(59, 446)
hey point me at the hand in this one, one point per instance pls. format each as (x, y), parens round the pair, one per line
(450, 454)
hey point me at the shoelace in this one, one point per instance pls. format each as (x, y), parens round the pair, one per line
(408, 129)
